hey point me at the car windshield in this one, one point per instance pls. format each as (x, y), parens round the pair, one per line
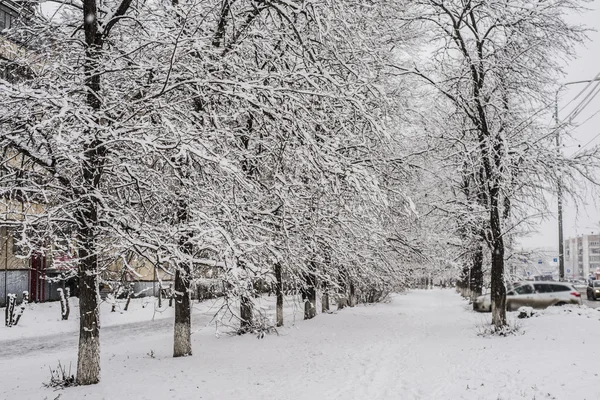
(596, 283)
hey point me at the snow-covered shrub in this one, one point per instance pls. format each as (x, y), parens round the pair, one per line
(342, 301)
(65, 310)
(526, 312)
(12, 318)
(60, 378)
(209, 289)
(513, 328)
(21, 308)
(375, 295)
(9, 311)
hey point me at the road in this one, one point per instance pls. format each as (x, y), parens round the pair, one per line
(589, 303)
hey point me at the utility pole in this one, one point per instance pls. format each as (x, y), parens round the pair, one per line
(561, 250)
(561, 244)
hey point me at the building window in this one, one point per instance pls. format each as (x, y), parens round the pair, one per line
(6, 20)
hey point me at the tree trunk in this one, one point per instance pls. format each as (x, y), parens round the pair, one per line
(129, 294)
(310, 305)
(182, 341)
(325, 303)
(498, 286)
(246, 314)
(279, 294)
(88, 358)
(476, 275)
(352, 297)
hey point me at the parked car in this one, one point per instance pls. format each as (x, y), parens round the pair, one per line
(593, 290)
(534, 294)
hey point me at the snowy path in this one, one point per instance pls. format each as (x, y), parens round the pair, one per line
(109, 334)
(423, 345)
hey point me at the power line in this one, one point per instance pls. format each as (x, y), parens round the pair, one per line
(585, 145)
(584, 103)
(589, 83)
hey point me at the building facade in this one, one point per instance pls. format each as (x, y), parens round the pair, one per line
(582, 256)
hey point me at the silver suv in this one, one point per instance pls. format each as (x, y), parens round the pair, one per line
(534, 294)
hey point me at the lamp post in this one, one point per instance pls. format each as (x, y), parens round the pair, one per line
(561, 255)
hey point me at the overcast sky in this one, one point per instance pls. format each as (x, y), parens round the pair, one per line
(583, 219)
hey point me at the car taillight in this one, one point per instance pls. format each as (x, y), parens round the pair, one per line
(576, 294)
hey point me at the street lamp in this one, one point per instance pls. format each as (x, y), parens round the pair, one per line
(561, 256)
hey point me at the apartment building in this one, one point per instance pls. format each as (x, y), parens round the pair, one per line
(582, 256)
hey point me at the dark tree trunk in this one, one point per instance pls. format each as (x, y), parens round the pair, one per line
(88, 360)
(246, 306)
(476, 282)
(498, 286)
(182, 339)
(279, 294)
(246, 314)
(310, 304)
(352, 297)
(325, 302)
(129, 294)
(182, 343)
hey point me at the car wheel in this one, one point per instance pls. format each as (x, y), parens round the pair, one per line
(560, 303)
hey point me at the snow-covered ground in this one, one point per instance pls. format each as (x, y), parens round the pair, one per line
(422, 345)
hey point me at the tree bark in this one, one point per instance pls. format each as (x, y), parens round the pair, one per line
(498, 286)
(325, 303)
(310, 305)
(476, 281)
(88, 359)
(279, 294)
(352, 297)
(182, 342)
(246, 314)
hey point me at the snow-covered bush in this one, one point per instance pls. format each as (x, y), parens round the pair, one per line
(60, 378)
(65, 310)
(513, 328)
(526, 312)
(9, 311)
(12, 318)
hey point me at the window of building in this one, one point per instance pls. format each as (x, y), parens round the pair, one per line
(6, 19)
(14, 72)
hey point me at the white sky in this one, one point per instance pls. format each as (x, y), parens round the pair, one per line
(585, 218)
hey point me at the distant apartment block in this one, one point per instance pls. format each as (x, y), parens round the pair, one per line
(582, 256)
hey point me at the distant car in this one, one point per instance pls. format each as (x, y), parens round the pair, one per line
(536, 295)
(593, 290)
